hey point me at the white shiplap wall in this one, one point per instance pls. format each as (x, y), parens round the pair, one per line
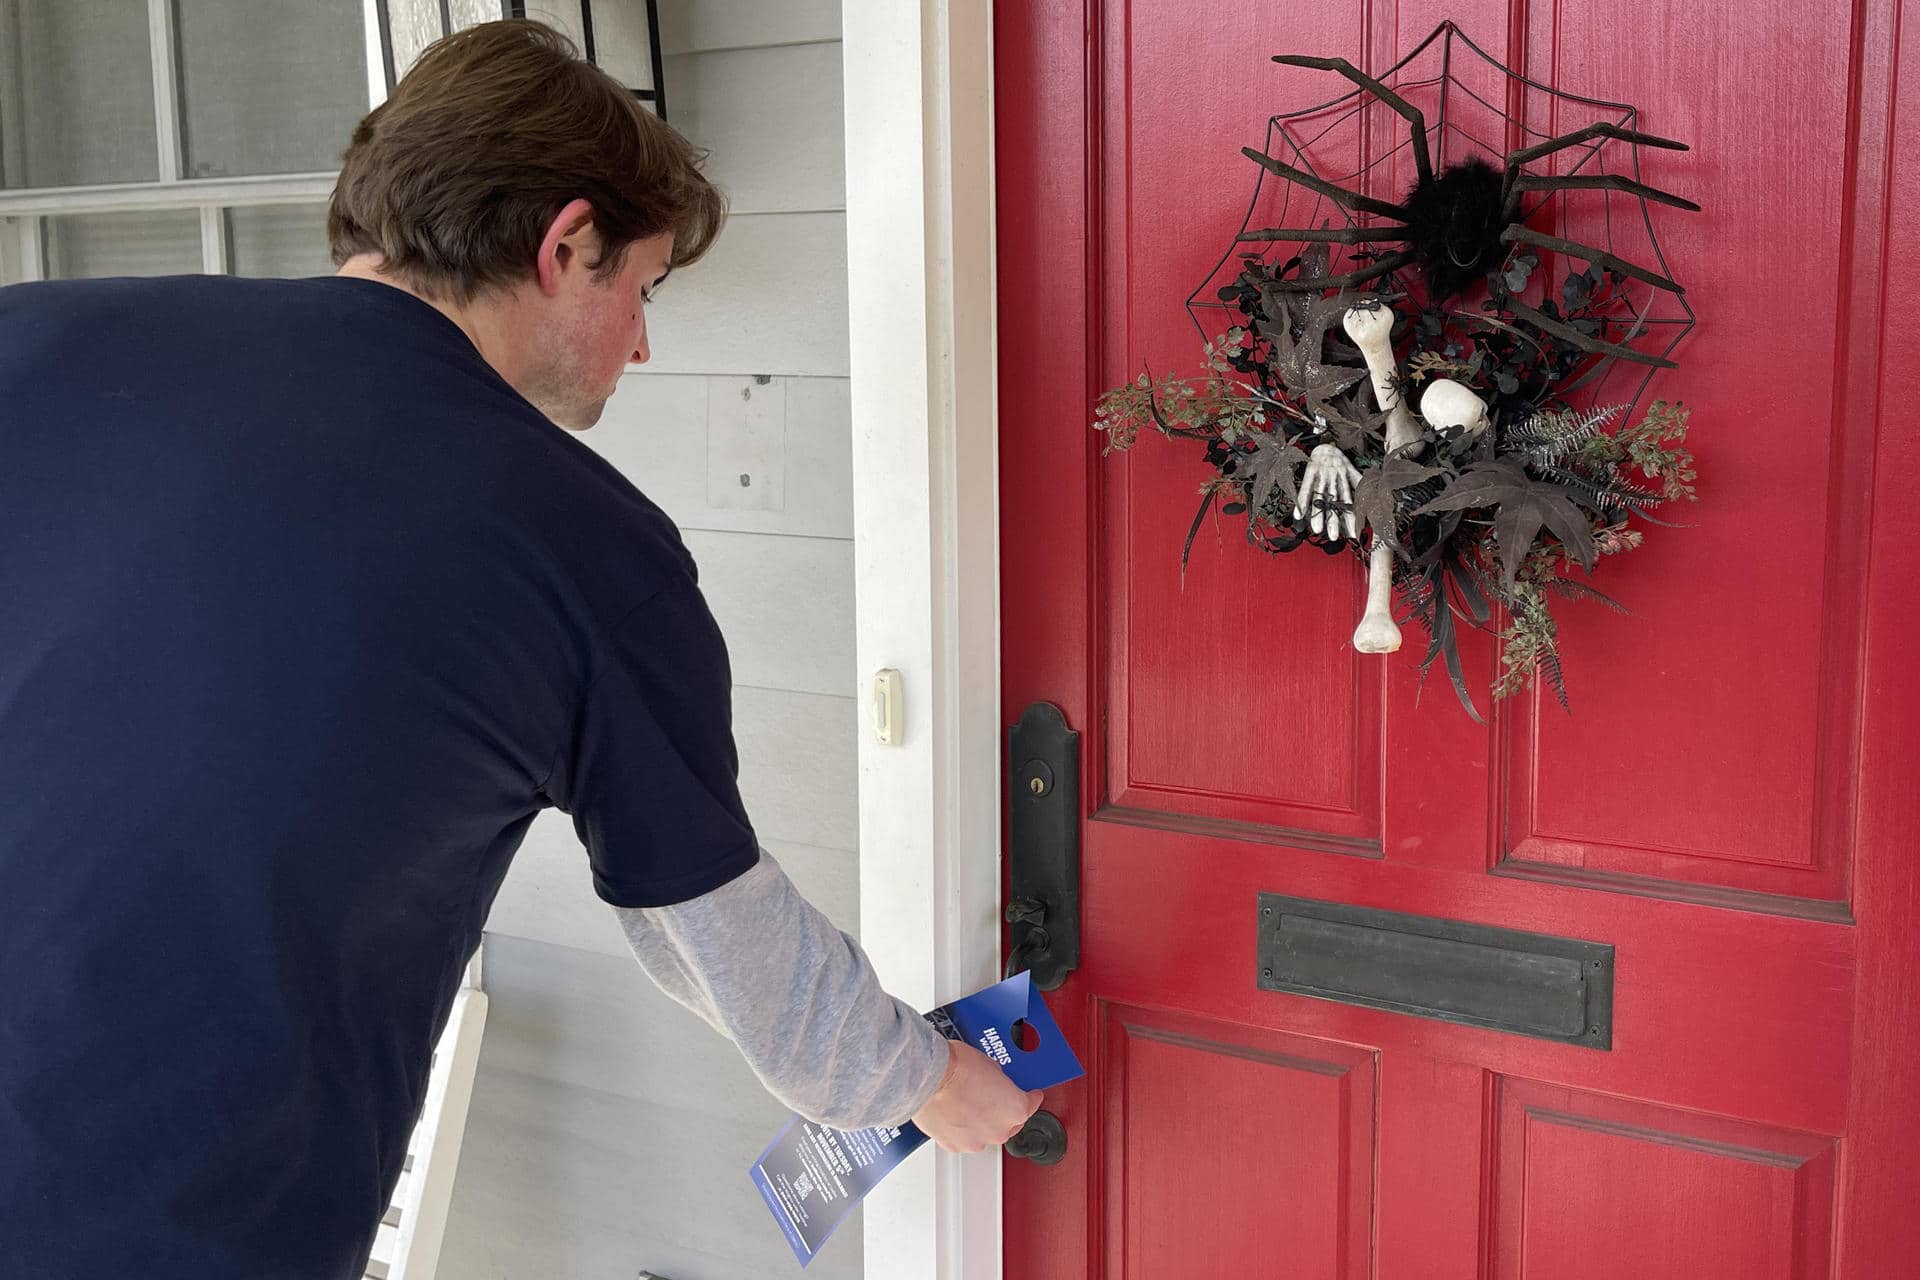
(610, 1132)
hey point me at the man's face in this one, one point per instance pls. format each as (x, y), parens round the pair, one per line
(592, 330)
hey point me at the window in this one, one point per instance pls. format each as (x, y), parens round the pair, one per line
(157, 137)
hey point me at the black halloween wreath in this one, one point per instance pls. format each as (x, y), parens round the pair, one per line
(1520, 472)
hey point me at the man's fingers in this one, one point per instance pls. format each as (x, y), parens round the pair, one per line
(1033, 1100)
(978, 1107)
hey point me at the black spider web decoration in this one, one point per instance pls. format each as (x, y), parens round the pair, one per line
(1474, 107)
(1501, 243)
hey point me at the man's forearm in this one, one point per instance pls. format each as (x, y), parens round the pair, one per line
(798, 997)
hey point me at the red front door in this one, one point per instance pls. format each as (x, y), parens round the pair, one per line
(1732, 805)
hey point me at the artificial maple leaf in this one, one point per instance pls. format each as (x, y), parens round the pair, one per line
(1373, 500)
(1522, 507)
(1306, 375)
(1321, 315)
(1349, 422)
(1273, 464)
(1290, 305)
(1278, 315)
(1284, 312)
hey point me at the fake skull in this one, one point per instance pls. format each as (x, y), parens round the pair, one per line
(1448, 407)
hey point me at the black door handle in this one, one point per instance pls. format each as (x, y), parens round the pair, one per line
(1032, 948)
(1043, 1139)
(1043, 847)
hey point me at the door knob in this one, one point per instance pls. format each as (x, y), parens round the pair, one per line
(1043, 1139)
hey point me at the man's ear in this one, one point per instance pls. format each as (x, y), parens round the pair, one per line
(572, 243)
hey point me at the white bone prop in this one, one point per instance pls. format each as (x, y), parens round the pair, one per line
(1450, 406)
(1370, 325)
(1330, 476)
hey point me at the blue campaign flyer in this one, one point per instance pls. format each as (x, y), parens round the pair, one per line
(812, 1177)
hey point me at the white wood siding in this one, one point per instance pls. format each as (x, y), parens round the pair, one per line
(712, 26)
(768, 105)
(771, 298)
(676, 434)
(610, 1131)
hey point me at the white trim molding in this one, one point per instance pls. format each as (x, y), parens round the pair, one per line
(371, 19)
(919, 138)
(13, 100)
(22, 250)
(214, 258)
(193, 193)
(166, 90)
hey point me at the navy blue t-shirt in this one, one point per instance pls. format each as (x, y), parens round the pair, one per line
(304, 615)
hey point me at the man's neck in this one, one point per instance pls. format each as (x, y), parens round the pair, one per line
(486, 327)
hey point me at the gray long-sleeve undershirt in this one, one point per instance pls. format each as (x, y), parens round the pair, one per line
(798, 998)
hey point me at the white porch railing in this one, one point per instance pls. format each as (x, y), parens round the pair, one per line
(408, 1246)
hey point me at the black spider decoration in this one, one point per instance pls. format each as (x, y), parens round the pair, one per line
(1457, 225)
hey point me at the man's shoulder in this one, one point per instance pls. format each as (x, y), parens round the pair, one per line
(167, 315)
(609, 515)
(115, 291)
(49, 302)
(226, 297)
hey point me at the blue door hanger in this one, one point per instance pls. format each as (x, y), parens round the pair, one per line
(812, 1177)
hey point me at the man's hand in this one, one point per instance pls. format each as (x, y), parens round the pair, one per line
(976, 1106)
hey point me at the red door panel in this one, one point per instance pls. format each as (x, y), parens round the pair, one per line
(1300, 1162)
(1728, 761)
(1731, 805)
(1183, 656)
(1588, 1187)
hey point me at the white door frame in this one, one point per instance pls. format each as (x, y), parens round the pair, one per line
(920, 294)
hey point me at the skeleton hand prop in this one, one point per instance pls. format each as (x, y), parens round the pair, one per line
(1326, 489)
(1370, 325)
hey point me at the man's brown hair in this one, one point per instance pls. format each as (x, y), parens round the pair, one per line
(456, 177)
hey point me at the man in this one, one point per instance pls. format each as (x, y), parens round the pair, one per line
(310, 607)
